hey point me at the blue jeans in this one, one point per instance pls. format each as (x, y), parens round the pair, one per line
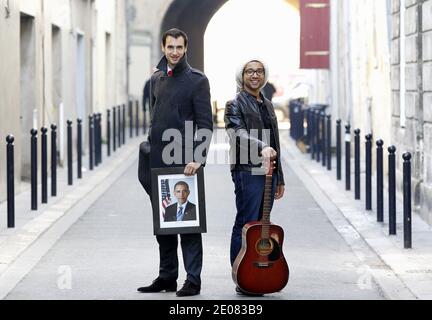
(249, 191)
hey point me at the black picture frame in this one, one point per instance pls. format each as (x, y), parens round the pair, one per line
(163, 207)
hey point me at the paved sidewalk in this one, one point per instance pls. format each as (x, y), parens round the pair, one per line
(106, 249)
(33, 225)
(413, 268)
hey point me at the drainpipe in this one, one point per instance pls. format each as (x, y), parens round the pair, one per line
(402, 65)
(348, 69)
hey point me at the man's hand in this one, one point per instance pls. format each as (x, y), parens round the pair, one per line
(269, 153)
(280, 191)
(192, 168)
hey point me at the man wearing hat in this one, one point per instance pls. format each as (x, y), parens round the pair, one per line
(252, 126)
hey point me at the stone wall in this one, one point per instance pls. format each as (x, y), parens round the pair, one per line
(412, 86)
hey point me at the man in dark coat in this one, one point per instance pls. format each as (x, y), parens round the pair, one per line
(179, 106)
(183, 210)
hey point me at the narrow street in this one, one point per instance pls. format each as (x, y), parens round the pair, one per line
(111, 250)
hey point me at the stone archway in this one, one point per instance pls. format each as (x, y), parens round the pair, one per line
(193, 17)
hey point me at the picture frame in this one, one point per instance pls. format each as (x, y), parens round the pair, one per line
(171, 187)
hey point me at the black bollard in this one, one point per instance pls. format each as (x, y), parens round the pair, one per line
(100, 144)
(369, 172)
(53, 160)
(10, 177)
(34, 168)
(357, 183)
(124, 124)
(348, 157)
(318, 136)
(99, 139)
(137, 118)
(120, 129)
(91, 143)
(339, 150)
(311, 133)
(392, 190)
(329, 143)
(380, 181)
(130, 119)
(44, 171)
(114, 140)
(407, 200)
(96, 139)
(79, 148)
(323, 139)
(69, 152)
(108, 133)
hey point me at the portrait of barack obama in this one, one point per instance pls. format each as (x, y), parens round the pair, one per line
(183, 210)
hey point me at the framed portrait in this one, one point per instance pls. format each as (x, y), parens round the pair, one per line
(178, 202)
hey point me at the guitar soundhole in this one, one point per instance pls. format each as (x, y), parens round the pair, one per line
(264, 247)
(269, 248)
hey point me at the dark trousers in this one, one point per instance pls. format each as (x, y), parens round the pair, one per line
(249, 191)
(192, 250)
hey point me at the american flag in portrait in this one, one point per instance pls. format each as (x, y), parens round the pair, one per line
(166, 196)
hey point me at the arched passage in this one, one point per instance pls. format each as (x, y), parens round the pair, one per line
(192, 17)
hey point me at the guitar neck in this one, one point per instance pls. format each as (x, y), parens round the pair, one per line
(267, 207)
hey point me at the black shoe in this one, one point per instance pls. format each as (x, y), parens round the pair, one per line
(160, 285)
(189, 289)
(240, 292)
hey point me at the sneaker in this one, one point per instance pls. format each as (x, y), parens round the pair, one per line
(189, 289)
(160, 285)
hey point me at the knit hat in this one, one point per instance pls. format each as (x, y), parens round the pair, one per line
(241, 69)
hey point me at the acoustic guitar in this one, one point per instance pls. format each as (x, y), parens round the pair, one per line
(260, 267)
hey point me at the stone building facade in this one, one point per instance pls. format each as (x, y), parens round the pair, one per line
(60, 60)
(412, 94)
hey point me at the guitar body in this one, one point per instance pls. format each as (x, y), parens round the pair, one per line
(260, 267)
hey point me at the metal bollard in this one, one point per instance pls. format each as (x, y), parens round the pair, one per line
(323, 139)
(348, 157)
(114, 130)
(369, 172)
(137, 118)
(91, 143)
(96, 139)
(380, 181)
(407, 200)
(339, 150)
(100, 138)
(10, 177)
(124, 124)
(79, 148)
(317, 136)
(311, 133)
(120, 129)
(99, 144)
(34, 168)
(69, 152)
(53, 160)
(392, 190)
(108, 133)
(357, 182)
(44, 170)
(329, 143)
(130, 119)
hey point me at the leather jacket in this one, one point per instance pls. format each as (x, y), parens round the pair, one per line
(242, 116)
